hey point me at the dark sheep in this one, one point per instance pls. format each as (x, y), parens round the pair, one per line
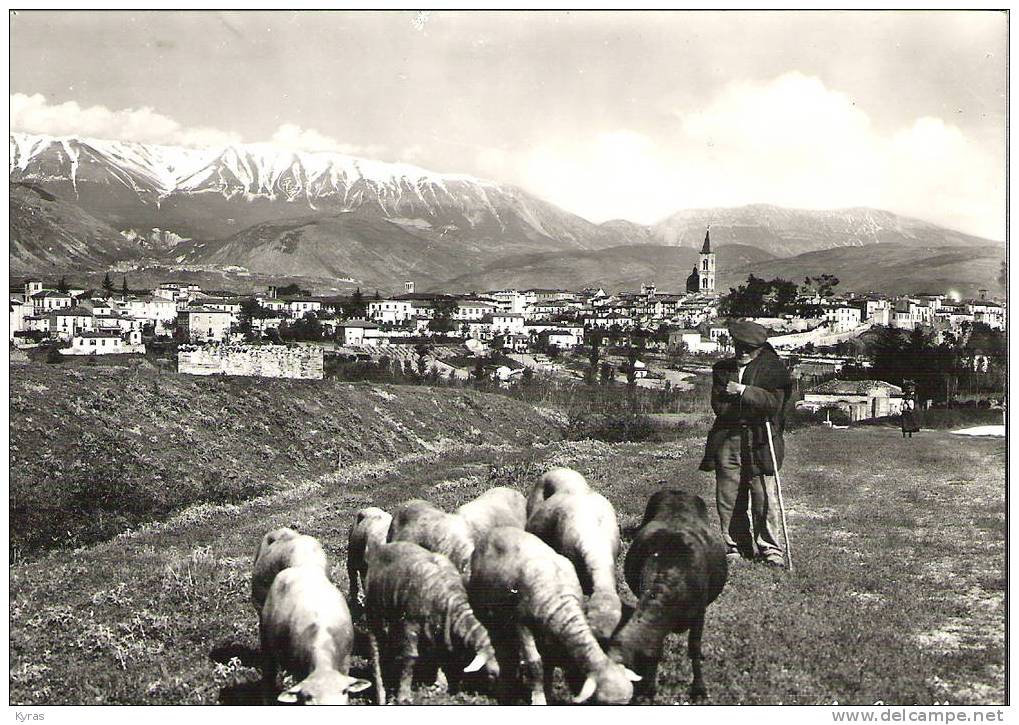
(676, 567)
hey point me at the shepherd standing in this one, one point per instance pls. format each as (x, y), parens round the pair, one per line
(747, 390)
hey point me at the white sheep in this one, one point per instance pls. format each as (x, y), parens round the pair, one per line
(530, 600)
(416, 603)
(499, 506)
(370, 527)
(583, 528)
(306, 630)
(278, 550)
(421, 523)
(553, 481)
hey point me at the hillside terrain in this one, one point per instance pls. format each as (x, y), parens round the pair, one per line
(614, 268)
(51, 235)
(96, 450)
(258, 210)
(788, 232)
(886, 268)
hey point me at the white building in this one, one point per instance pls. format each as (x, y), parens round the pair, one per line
(300, 305)
(360, 333)
(48, 301)
(18, 312)
(861, 399)
(158, 311)
(842, 318)
(65, 323)
(512, 301)
(507, 323)
(390, 310)
(474, 309)
(693, 341)
(104, 343)
(202, 324)
(990, 313)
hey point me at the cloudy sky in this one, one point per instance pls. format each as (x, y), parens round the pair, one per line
(608, 115)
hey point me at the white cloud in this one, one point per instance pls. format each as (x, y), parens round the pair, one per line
(293, 137)
(34, 114)
(791, 141)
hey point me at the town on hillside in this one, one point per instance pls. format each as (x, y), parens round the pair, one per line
(647, 337)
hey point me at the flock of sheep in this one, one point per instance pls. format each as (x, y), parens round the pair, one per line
(504, 587)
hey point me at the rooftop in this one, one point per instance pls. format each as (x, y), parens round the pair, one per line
(855, 387)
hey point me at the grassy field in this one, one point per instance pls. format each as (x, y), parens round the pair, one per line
(898, 594)
(97, 450)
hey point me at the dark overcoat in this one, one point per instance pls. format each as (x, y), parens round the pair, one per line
(768, 392)
(911, 418)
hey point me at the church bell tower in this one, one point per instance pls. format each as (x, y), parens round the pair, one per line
(706, 266)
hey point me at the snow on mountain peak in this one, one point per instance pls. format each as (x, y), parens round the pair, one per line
(259, 169)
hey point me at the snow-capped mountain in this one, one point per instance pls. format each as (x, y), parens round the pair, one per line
(331, 216)
(214, 193)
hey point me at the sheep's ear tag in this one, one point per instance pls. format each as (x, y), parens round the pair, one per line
(631, 675)
(587, 690)
(477, 663)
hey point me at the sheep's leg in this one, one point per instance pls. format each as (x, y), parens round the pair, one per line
(645, 690)
(534, 678)
(697, 689)
(507, 654)
(270, 667)
(380, 689)
(407, 656)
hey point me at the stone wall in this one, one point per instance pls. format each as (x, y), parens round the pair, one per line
(267, 361)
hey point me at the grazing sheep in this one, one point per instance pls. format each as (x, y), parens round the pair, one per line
(499, 506)
(583, 528)
(553, 481)
(529, 598)
(370, 527)
(416, 599)
(306, 630)
(676, 566)
(279, 550)
(421, 523)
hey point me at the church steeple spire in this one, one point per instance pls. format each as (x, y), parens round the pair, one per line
(706, 249)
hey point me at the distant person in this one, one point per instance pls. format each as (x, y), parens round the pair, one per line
(910, 417)
(747, 390)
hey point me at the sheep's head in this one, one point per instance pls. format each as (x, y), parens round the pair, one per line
(332, 688)
(612, 684)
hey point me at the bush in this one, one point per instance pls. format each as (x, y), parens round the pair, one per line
(617, 428)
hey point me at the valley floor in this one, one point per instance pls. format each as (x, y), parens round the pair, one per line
(898, 594)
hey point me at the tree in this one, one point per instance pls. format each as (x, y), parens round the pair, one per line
(823, 285)
(444, 309)
(760, 298)
(377, 297)
(422, 361)
(123, 286)
(607, 373)
(107, 283)
(1003, 274)
(528, 376)
(631, 366)
(593, 356)
(292, 289)
(355, 306)
(479, 368)
(62, 285)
